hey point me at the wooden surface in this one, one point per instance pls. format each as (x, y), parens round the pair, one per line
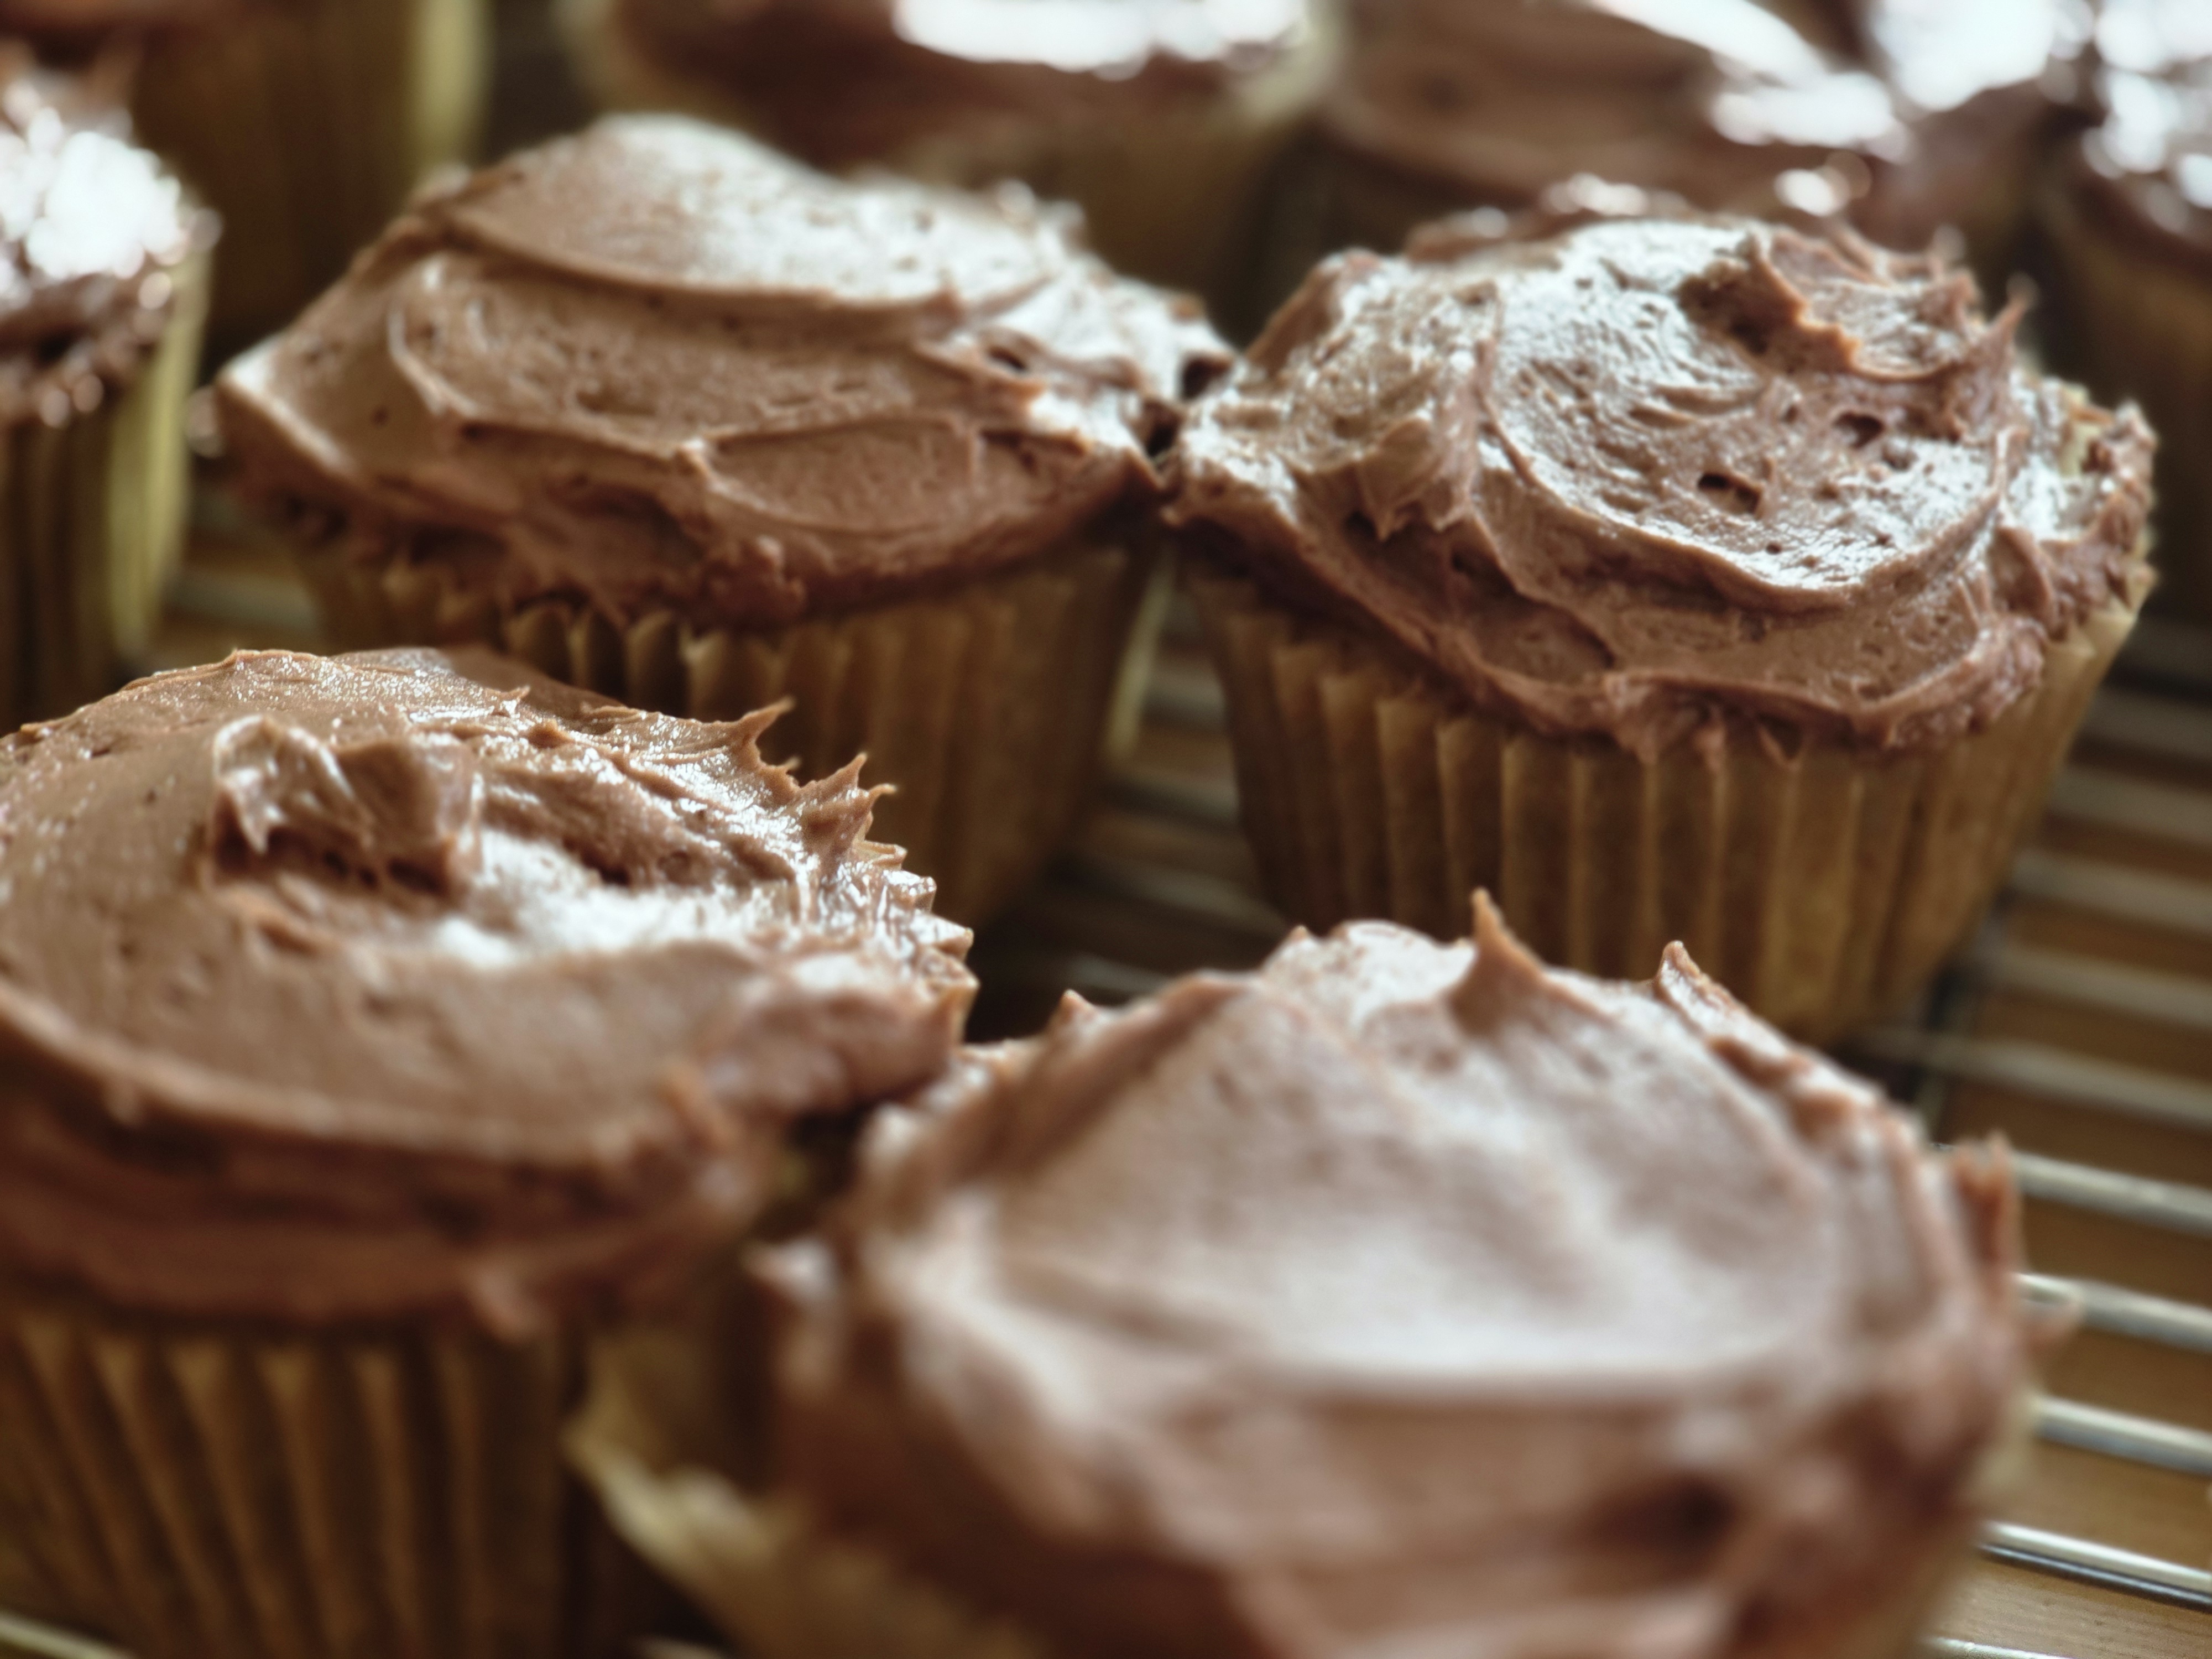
(1159, 882)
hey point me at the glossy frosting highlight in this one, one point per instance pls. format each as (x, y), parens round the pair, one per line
(1889, 110)
(657, 366)
(845, 82)
(1653, 477)
(1407, 1297)
(358, 987)
(92, 229)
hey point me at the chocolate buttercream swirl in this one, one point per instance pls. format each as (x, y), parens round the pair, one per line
(1658, 475)
(1408, 1298)
(92, 229)
(349, 988)
(846, 82)
(656, 365)
(2148, 167)
(1888, 112)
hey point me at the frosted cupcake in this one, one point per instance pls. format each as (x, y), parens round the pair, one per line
(1677, 578)
(675, 418)
(102, 288)
(304, 123)
(2128, 215)
(1160, 118)
(1403, 1297)
(378, 1041)
(1905, 117)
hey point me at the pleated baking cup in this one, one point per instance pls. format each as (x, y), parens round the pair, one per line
(1823, 890)
(92, 522)
(307, 125)
(1172, 195)
(984, 706)
(646, 1441)
(2139, 326)
(195, 1490)
(781, 1587)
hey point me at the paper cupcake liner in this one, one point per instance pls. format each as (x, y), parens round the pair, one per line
(645, 1442)
(1823, 892)
(779, 1587)
(198, 1492)
(307, 125)
(1173, 198)
(92, 520)
(985, 706)
(2138, 326)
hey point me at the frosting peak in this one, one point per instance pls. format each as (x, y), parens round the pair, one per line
(1653, 473)
(1405, 1297)
(339, 989)
(657, 366)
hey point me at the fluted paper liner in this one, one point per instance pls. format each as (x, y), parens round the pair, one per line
(195, 1489)
(1822, 891)
(772, 1581)
(307, 125)
(985, 706)
(92, 522)
(2141, 326)
(1173, 198)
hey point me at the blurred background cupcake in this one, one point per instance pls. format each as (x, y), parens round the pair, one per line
(1400, 1297)
(103, 281)
(1159, 118)
(379, 1040)
(673, 416)
(1674, 577)
(1906, 116)
(304, 123)
(2129, 217)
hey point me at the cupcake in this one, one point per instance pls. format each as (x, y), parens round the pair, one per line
(305, 122)
(1161, 117)
(2128, 217)
(1674, 577)
(102, 288)
(378, 1039)
(1403, 1297)
(1905, 116)
(674, 418)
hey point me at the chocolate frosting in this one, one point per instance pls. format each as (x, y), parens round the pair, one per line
(1656, 476)
(843, 81)
(92, 229)
(354, 988)
(1891, 110)
(1409, 1298)
(2148, 167)
(657, 366)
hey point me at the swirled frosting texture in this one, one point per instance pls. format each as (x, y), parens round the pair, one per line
(1652, 477)
(1409, 1298)
(356, 988)
(2149, 165)
(844, 82)
(1901, 113)
(657, 366)
(92, 229)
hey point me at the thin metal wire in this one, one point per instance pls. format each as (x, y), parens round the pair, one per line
(2064, 1557)
(2124, 1435)
(39, 1641)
